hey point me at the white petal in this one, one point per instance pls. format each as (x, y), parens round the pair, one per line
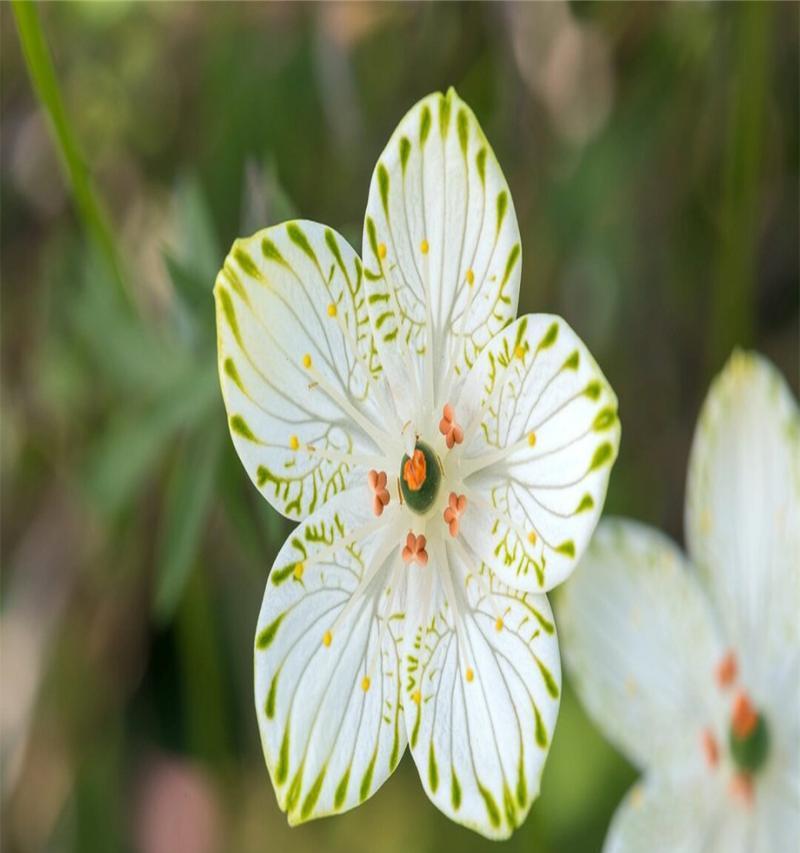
(639, 642)
(687, 815)
(287, 293)
(439, 216)
(330, 738)
(480, 744)
(541, 437)
(743, 512)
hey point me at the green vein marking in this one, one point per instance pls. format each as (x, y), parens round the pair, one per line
(549, 338)
(333, 246)
(522, 786)
(480, 163)
(587, 502)
(502, 206)
(491, 805)
(246, 263)
(395, 756)
(282, 770)
(604, 420)
(455, 789)
(405, 150)
(294, 790)
(424, 125)
(269, 705)
(341, 790)
(513, 257)
(549, 681)
(298, 237)
(230, 314)
(366, 782)
(313, 795)
(415, 730)
(567, 548)
(230, 370)
(271, 252)
(433, 770)
(602, 455)
(373, 238)
(593, 389)
(265, 637)
(572, 362)
(278, 576)
(541, 731)
(383, 186)
(508, 804)
(462, 123)
(444, 115)
(240, 427)
(232, 277)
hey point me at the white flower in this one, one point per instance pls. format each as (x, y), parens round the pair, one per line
(447, 464)
(692, 668)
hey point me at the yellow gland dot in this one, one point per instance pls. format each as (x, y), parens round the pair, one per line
(498, 626)
(299, 568)
(531, 438)
(365, 683)
(519, 351)
(423, 247)
(470, 674)
(294, 442)
(532, 538)
(381, 250)
(331, 310)
(470, 277)
(416, 697)
(327, 638)
(306, 361)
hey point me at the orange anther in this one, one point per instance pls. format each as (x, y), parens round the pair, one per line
(414, 550)
(380, 494)
(452, 432)
(456, 505)
(710, 748)
(727, 670)
(415, 470)
(744, 717)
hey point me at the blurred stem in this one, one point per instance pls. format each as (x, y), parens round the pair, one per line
(733, 298)
(45, 84)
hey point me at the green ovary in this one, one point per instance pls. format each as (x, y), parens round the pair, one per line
(425, 477)
(750, 752)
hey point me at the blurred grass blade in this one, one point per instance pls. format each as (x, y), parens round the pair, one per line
(190, 494)
(43, 77)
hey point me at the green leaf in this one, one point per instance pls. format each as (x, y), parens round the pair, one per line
(189, 496)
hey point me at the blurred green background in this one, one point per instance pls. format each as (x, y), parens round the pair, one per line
(652, 153)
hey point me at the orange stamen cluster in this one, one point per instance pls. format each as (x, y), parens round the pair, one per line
(727, 670)
(744, 717)
(415, 470)
(452, 432)
(710, 748)
(456, 507)
(380, 494)
(414, 550)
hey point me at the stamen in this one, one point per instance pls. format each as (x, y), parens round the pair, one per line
(469, 675)
(332, 309)
(710, 748)
(727, 670)
(498, 625)
(380, 494)
(298, 571)
(307, 362)
(294, 442)
(744, 717)
(415, 470)
(741, 789)
(365, 682)
(424, 247)
(519, 352)
(327, 639)
(456, 506)
(381, 250)
(414, 550)
(470, 278)
(452, 432)
(416, 697)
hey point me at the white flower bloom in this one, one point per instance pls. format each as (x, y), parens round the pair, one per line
(447, 464)
(692, 668)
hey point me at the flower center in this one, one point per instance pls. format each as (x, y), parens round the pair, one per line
(420, 478)
(748, 737)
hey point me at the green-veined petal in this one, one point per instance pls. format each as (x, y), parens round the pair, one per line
(327, 660)
(542, 434)
(297, 364)
(482, 687)
(441, 246)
